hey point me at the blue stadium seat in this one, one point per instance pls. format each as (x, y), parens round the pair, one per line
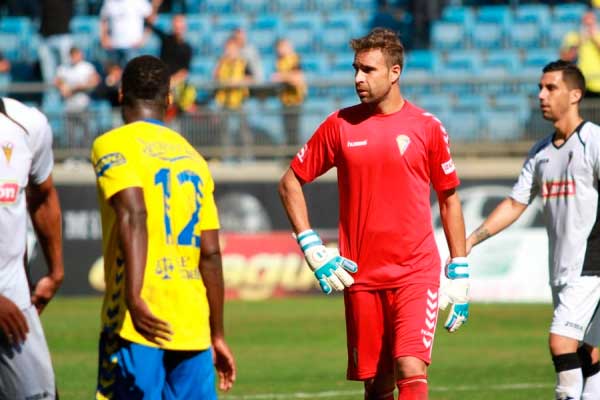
(463, 125)
(312, 21)
(367, 6)
(315, 65)
(558, 32)
(536, 13)
(102, 116)
(229, 22)
(472, 101)
(85, 24)
(16, 25)
(501, 124)
(532, 64)
(349, 20)
(202, 68)
(10, 46)
(200, 43)
(194, 6)
(518, 103)
(163, 22)
(263, 33)
(314, 112)
(459, 15)
(437, 104)
(334, 38)
(5, 80)
(569, 12)
(328, 6)
(487, 35)
(527, 35)
(460, 66)
(448, 35)
(197, 23)
(87, 43)
(497, 14)
(342, 65)
(264, 119)
(222, 7)
(254, 7)
(421, 63)
(152, 46)
(292, 6)
(303, 38)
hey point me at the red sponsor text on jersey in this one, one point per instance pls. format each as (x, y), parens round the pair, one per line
(9, 191)
(558, 189)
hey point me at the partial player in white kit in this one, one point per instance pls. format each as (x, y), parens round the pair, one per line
(26, 186)
(564, 170)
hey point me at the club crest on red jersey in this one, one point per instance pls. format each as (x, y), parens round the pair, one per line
(403, 141)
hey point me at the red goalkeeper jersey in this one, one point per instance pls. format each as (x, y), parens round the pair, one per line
(385, 165)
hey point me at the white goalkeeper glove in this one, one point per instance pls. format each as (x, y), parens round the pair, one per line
(456, 291)
(329, 267)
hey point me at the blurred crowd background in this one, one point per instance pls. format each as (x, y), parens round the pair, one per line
(252, 79)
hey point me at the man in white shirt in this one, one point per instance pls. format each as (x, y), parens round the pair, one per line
(564, 170)
(75, 81)
(122, 29)
(26, 164)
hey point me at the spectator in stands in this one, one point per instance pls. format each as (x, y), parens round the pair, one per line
(177, 54)
(122, 30)
(233, 75)
(250, 54)
(75, 81)
(108, 88)
(583, 47)
(4, 64)
(289, 72)
(55, 42)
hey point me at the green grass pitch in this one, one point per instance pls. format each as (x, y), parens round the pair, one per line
(295, 349)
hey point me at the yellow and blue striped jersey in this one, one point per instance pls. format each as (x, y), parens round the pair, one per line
(178, 194)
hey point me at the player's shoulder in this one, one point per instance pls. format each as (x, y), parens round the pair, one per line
(420, 115)
(30, 117)
(540, 145)
(589, 132)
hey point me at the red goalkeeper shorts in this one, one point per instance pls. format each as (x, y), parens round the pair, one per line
(383, 325)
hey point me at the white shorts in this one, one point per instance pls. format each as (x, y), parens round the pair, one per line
(576, 313)
(26, 370)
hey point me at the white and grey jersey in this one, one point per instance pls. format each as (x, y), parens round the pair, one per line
(566, 179)
(25, 154)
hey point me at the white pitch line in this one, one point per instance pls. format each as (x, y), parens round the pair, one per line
(341, 393)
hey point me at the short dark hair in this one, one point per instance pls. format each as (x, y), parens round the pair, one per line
(385, 40)
(571, 74)
(145, 78)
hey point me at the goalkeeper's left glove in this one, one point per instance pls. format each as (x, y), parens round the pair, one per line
(331, 269)
(456, 292)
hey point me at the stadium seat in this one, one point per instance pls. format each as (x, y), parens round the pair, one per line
(501, 124)
(328, 6)
(475, 102)
(349, 20)
(315, 66)
(292, 6)
(342, 65)
(437, 104)
(312, 21)
(518, 103)
(496, 14)
(334, 38)
(15, 25)
(526, 35)
(193, 6)
(263, 33)
(88, 24)
(487, 35)
(102, 116)
(558, 32)
(463, 125)
(202, 68)
(536, 13)
(10, 46)
(448, 35)
(163, 22)
(303, 38)
(222, 7)
(463, 61)
(314, 112)
(152, 46)
(229, 22)
(367, 6)
(254, 7)
(197, 23)
(87, 43)
(421, 63)
(459, 15)
(568, 12)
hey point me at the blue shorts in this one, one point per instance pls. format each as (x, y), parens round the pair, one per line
(131, 371)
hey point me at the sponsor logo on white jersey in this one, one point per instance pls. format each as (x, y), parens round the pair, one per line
(448, 167)
(403, 141)
(9, 192)
(558, 188)
(358, 143)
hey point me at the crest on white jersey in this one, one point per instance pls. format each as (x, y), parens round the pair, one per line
(403, 141)
(7, 149)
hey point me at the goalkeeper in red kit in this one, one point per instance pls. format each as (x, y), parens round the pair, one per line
(388, 153)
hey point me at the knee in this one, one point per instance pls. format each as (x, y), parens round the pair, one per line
(407, 367)
(588, 357)
(378, 389)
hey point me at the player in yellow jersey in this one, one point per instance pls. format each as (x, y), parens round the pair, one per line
(162, 317)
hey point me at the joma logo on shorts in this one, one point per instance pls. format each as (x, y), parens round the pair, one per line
(574, 325)
(38, 396)
(9, 191)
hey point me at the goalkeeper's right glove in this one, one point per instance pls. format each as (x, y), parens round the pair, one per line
(456, 292)
(329, 267)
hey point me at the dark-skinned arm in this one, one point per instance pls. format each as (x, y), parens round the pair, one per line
(44, 209)
(132, 232)
(212, 275)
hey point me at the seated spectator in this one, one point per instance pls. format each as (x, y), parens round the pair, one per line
(583, 47)
(108, 88)
(289, 72)
(74, 82)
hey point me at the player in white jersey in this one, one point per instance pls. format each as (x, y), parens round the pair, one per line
(26, 186)
(564, 169)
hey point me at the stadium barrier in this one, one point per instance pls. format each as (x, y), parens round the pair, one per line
(261, 259)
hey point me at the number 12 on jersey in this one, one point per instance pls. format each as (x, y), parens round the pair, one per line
(163, 178)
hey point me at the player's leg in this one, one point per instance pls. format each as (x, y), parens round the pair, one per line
(190, 375)
(369, 353)
(589, 356)
(415, 309)
(129, 371)
(574, 308)
(26, 370)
